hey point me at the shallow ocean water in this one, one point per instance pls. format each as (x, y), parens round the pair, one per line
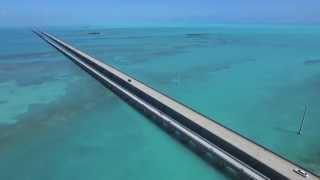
(58, 123)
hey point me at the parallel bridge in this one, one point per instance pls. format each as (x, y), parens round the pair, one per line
(211, 138)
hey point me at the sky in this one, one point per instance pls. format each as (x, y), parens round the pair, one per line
(108, 12)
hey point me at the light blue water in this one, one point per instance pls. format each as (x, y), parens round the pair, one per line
(255, 80)
(59, 123)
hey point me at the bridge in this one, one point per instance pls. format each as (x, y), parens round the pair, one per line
(207, 136)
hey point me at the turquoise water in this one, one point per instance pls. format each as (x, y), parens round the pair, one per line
(58, 123)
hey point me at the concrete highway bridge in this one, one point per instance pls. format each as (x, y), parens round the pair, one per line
(206, 136)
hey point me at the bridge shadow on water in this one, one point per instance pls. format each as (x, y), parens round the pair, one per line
(209, 158)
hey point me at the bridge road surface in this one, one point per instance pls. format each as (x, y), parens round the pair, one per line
(252, 159)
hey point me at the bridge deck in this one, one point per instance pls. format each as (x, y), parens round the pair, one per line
(247, 151)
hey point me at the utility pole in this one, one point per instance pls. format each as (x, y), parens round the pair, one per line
(302, 120)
